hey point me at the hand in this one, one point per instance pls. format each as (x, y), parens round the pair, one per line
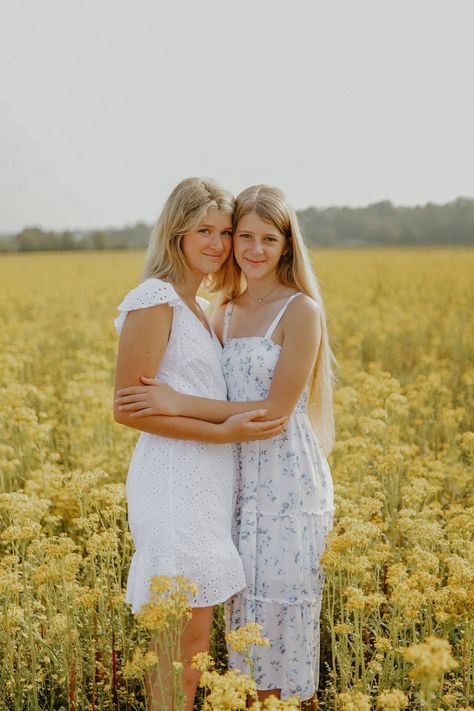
(244, 428)
(153, 398)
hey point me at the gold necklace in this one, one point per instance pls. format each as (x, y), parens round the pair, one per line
(259, 301)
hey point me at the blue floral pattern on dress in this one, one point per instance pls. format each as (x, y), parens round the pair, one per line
(283, 513)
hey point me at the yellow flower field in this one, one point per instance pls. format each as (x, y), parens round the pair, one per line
(398, 611)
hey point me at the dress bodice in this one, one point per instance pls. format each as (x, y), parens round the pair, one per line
(191, 362)
(249, 363)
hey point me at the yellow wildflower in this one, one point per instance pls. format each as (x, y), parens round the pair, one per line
(393, 700)
(355, 701)
(227, 692)
(431, 658)
(169, 603)
(244, 637)
(135, 668)
(202, 661)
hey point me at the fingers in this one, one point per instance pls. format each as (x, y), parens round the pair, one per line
(270, 424)
(143, 413)
(129, 399)
(254, 414)
(268, 434)
(134, 390)
(267, 430)
(138, 405)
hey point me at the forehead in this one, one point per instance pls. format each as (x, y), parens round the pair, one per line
(217, 218)
(254, 223)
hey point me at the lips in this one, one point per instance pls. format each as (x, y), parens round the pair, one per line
(251, 261)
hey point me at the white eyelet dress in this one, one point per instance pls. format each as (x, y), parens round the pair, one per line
(180, 492)
(283, 514)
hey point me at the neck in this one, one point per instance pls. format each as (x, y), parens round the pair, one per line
(189, 286)
(258, 288)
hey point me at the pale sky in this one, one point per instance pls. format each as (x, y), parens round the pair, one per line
(106, 104)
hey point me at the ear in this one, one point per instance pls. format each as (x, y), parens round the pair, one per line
(286, 253)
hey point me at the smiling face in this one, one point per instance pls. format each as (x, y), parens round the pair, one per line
(207, 246)
(258, 246)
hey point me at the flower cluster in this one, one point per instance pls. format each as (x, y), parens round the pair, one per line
(398, 605)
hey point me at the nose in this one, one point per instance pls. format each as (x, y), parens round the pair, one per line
(257, 247)
(216, 242)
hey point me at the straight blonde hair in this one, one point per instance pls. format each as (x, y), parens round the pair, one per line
(295, 271)
(184, 210)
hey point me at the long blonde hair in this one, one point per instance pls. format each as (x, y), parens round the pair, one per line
(184, 210)
(295, 271)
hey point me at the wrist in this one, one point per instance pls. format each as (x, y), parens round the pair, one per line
(222, 434)
(178, 408)
(187, 405)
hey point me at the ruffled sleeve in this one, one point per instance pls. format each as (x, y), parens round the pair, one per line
(151, 292)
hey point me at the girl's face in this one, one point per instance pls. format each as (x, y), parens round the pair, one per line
(207, 247)
(258, 246)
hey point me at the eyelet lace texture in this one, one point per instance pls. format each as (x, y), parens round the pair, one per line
(179, 493)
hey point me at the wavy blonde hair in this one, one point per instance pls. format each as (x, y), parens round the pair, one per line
(295, 271)
(184, 210)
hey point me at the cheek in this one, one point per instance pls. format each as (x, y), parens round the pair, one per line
(237, 251)
(185, 246)
(227, 246)
(190, 247)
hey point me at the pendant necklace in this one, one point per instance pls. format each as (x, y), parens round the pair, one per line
(259, 301)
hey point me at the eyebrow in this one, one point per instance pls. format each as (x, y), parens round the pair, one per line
(265, 234)
(206, 224)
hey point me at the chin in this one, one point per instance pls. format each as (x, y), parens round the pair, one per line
(212, 268)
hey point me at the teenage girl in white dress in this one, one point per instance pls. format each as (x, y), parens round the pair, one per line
(181, 478)
(275, 353)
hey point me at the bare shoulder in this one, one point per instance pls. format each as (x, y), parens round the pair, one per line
(302, 308)
(301, 321)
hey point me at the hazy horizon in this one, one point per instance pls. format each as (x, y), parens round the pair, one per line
(150, 223)
(107, 106)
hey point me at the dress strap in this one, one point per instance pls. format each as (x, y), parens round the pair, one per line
(277, 318)
(228, 312)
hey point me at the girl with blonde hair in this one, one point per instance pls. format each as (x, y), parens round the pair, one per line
(276, 354)
(180, 483)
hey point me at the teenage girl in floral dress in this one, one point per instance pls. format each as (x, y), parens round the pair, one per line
(276, 354)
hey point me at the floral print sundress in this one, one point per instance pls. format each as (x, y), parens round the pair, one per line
(283, 513)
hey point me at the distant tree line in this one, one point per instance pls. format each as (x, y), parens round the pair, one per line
(34, 239)
(385, 224)
(380, 224)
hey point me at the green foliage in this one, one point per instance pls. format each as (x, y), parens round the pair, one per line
(385, 224)
(378, 224)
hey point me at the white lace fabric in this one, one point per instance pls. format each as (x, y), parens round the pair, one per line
(179, 492)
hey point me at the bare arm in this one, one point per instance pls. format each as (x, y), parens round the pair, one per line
(143, 341)
(301, 326)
